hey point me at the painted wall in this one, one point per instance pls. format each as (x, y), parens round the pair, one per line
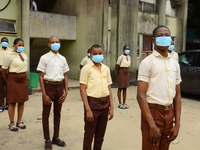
(10, 13)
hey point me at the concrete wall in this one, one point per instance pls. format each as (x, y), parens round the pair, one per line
(10, 13)
(44, 25)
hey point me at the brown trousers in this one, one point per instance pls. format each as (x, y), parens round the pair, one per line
(97, 129)
(164, 121)
(2, 84)
(54, 92)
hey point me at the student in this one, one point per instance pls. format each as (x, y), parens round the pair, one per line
(14, 68)
(159, 95)
(86, 59)
(54, 85)
(4, 50)
(123, 75)
(172, 52)
(95, 89)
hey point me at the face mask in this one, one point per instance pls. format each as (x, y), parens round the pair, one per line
(171, 47)
(55, 46)
(127, 52)
(163, 41)
(20, 49)
(88, 54)
(97, 58)
(4, 44)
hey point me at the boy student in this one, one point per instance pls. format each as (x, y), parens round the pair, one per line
(95, 89)
(159, 95)
(4, 50)
(54, 85)
(86, 59)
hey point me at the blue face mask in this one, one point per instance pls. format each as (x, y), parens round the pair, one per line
(55, 46)
(163, 41)
(20, 49)
(127, 52)
(88, 54)
(171, 47)
(97, 58)
(4, 44)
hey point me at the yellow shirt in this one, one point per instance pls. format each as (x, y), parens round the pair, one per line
(4, 53)
(85, 61)
(13, 62)
(124, 61)
(97, 81)
(162, 75)
(174, 55)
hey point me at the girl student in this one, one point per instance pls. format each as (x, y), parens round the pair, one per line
(14, 68)
(123, 75)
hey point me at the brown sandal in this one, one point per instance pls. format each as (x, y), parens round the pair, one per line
(48, 145)
(58, 142)
(21, 125)
(12, 127)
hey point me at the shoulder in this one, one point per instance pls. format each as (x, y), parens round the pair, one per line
(62, 57)
(105, 67)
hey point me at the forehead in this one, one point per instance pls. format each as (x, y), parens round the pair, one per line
(20, 42)
(96, 49)
(162, 30)
(54, 39)
(4, 40)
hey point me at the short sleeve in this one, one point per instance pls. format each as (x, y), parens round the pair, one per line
(83, 62)
(144, 72)
(42, 65)
(178, 77)
(6, 62)
(109, 79)
(66, 67)
(84, 75)
(119, 60)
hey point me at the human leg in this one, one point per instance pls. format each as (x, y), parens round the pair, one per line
(11, 114)
(119, 95)
(2, 83)
(20, 110)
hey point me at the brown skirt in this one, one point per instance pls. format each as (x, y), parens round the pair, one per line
(17, 88)
(123, 77)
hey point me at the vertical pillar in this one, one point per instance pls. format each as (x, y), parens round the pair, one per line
(185, 11)
(25, 28)
(161, 12)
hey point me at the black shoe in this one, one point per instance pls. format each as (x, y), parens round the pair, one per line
(6, 107)
(1, 108)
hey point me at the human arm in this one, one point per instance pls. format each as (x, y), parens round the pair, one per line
(5, 74)
(45, 97)
(111, 110)
(177, 114)
(89, 114)
(65, 83)
(141, 97)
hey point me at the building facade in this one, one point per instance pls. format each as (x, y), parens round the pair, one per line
(82, 23)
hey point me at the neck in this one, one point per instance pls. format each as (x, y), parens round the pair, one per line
(4, 48)
(162, 52)
(55, 52)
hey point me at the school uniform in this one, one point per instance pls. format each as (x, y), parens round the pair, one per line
(174, 55)
(85, 61)
(162, 75)
(123, 77)
(98, 98)
(17, 81)
(54, 66)
(3, 53)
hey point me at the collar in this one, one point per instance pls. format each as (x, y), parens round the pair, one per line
(157, 54)
(4, 49)
(53, 54)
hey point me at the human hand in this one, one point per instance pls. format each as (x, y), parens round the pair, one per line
(154, 135)
(173, 133)
(89, 116)
(62, 98)
(110, 114)
(46, 100)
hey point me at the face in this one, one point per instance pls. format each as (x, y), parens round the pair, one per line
(53, 40)
(160, 32)
(4, 40)
(127, 48)
(19, 44)
(96, 51)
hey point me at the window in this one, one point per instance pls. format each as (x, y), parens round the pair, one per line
(7, 27)
(187, 59)
(147, 5)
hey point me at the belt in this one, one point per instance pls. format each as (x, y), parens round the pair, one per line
(53, 82)
(160, 106)
(98, 99)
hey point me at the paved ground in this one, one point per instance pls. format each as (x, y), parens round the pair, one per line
(123, 132)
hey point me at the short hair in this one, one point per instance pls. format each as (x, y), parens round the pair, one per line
(4, 38)
(158, 27)
(17, 40)
(88, 50)
(95, 46)
(125, 46)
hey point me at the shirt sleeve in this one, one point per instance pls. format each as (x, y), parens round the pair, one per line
(84, 75)
(109, 79)
(178, 77)
(6, 62)
(66, 67)
(144, 72)
(42, 65)
(119, 60)
(83, 62)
